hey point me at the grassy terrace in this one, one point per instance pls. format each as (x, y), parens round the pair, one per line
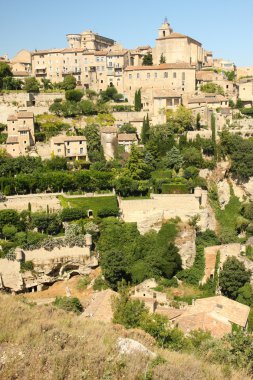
(93, 203)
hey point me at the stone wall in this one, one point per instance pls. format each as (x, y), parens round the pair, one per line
(151, 213)
(39, 202)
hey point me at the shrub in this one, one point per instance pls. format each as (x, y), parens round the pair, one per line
(69, 214)
(174, 188)
(100, 284)
(70, 304)
(73, 95)
(26, 266)
(83, 282)
(105, 212)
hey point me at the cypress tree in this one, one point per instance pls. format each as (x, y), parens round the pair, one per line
(145, 130)
(137, 100)
(213, 128)
(162, 59)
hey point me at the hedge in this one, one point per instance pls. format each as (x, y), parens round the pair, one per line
(69, 214)
(168, 188)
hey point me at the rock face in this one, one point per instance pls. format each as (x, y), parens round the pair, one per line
(128, 346)
(223, 193)
(185, 241)
(48, 267)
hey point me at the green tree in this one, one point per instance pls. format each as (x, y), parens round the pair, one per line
(9, 231)
(109, 94)
(173, 159)
(145, 131)
(5, 71)
(73, 95)
(127, 128)
(136, 165)
(147, 60)
(137, 101)
(180, 120)
(47, 84)
(233, 276)
(95, 150)
(31, 85)
(212, 88)
(114, 267)
(127, 312)
(69, 82)
(245, 294)
(162, 59)
(198, 124)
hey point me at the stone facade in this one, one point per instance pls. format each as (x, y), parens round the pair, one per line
(20, 129)
(71, 147)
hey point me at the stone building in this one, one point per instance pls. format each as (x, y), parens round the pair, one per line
(20, 129)
(88, 40)
(245, 87)
(127, 140)
(177, 47)
(109, 141)
(71, 147)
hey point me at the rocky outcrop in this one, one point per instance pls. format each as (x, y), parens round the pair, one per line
(185, 241)
(128, 346)
(223, 189)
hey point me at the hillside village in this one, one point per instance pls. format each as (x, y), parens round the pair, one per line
(126, 191)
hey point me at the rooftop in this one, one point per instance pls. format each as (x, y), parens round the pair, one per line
(127, 137)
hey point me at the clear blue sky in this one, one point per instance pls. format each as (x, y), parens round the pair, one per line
(223, 26)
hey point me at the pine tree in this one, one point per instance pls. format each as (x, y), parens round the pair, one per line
(162, 59)
(173, 159)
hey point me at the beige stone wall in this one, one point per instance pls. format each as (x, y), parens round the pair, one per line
(150, 213)
(246, 91)
(149, 79)
(38, 202)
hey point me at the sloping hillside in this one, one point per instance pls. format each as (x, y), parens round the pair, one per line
(43, 343)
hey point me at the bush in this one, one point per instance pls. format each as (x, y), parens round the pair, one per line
(73, 95)
(26, 266)
(105, 212)
(69, 214)
(100, 284)
(174, 188)
(83, 282)
(70, 304)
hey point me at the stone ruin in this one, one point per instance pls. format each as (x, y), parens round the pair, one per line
(48, 267)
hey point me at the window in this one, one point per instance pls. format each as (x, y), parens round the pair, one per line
(163, 33)
(183, 76)
(24, 142)
(110, 64)
(130, 76)
(81, 150)
(59, 150)
(68, 150)
(137, 75)
(148, 75)
(155, 75)
(23, 132)
(174, 75)
(75, 60)
(165, 75)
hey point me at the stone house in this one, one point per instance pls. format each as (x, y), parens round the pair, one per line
(214, 314)
(20, 129)
(72, 147)
(127, 140)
